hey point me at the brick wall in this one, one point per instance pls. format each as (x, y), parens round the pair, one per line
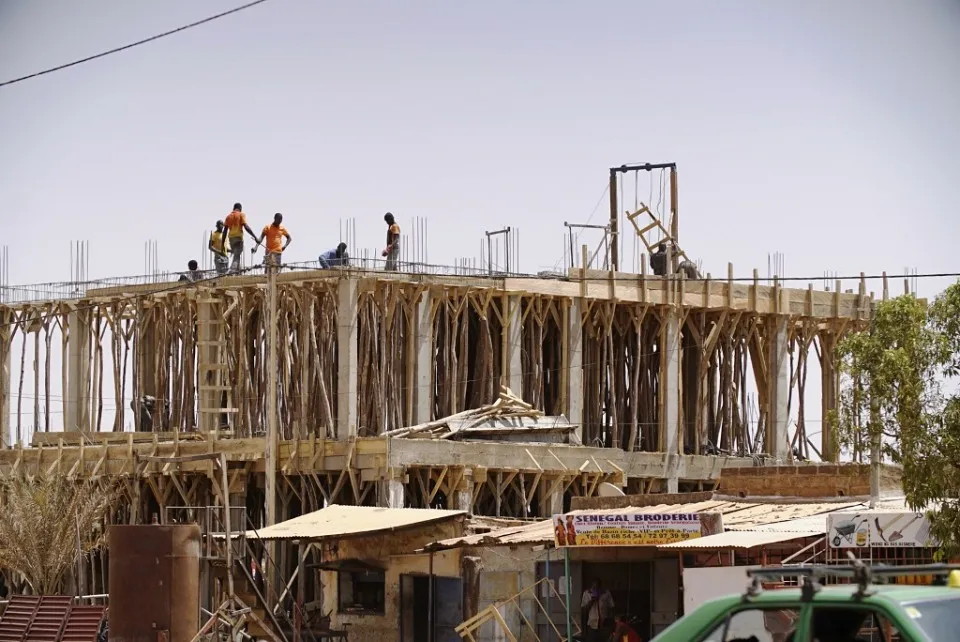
(806, 480)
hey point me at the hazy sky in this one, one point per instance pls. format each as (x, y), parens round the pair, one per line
(826, 130)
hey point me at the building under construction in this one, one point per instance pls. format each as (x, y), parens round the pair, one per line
(498, 394)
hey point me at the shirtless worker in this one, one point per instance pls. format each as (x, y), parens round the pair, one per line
(236, 223)
(273, 233)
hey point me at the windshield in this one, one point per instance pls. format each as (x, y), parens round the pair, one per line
(939, 619)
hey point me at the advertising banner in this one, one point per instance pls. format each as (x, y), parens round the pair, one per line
(641, 529)
(880, 530)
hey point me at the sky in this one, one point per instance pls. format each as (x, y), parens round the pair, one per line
(826, 131)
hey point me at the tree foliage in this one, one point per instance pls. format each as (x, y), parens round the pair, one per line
(893, 379)
(48, 523)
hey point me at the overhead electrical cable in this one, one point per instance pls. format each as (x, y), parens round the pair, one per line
(131, 45)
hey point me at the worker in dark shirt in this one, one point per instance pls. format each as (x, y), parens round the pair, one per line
(658, 260)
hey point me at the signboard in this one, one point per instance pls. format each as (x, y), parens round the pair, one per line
(639, 529)
(879, 530)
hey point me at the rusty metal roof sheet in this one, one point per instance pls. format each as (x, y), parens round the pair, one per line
(739, 539)
(346, 521)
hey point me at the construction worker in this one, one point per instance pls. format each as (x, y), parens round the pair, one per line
(217, 246)
(335, 258)
(658, 260)
(392, 251)
(236, 223)
(272, 234)
(192, 274)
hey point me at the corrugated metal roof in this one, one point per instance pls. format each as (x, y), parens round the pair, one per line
(345, 521)
(738, 539)
(745, 515)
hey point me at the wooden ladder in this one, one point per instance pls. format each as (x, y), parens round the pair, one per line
(216, 394)
(653, 225)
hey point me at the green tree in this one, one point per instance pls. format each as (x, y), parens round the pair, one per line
(892, 398)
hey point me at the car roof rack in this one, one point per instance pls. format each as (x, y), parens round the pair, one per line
(862, 574)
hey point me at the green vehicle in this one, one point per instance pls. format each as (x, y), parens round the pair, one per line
(865, 609)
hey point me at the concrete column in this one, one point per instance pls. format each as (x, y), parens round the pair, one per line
(347, 308)
(670, 396)
(392, 494)
(78, 371)
(552, 504)
(423, 395)
(463, 495)
(778, 382)
(5, 344)
(513, 366)
(574, 365)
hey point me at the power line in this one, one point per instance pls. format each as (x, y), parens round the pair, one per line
(132, 44)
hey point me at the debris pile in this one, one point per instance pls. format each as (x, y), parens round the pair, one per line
(508, 415)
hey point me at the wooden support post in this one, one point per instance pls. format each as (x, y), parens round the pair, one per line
(674, 220)
(347, 308)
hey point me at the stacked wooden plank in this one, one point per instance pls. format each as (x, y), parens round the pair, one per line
(507, 415)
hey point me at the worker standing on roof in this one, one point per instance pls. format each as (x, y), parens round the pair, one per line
(236, 223)
(392, 251)
(217, 245)
(272, 233)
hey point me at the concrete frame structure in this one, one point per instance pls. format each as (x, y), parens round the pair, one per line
(643, 364)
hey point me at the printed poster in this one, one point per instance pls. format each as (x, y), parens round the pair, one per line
(639, 529)
(880, 530)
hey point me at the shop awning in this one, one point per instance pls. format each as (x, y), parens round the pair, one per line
(352, 521)
(740, 539)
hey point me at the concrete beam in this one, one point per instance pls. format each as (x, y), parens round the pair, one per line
(513, 345)
(78, 371)
(574, 350)
(423, 396)
(778, 382)
(557, 459)
(347, 309)
(670, 396)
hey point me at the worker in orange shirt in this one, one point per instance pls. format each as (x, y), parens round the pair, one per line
(272, 233)
(235, 224)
